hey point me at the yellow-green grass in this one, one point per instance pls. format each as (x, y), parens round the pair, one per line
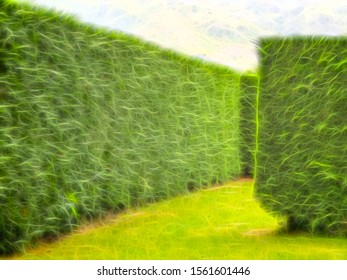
(223, 222)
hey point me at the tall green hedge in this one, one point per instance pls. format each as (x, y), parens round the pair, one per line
(93, 121)
(248, 91)
(302, 142)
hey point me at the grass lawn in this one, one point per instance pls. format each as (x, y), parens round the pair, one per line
(218, 223)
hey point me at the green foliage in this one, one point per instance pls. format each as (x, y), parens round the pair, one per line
(302, 154)
(248, 91)
(94, 121)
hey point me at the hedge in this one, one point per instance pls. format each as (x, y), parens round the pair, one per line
(248, 92)
(94, 120)
(301, 170)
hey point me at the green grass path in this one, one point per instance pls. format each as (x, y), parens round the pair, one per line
(218, 223)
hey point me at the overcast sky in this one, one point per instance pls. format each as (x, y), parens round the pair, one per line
(222, 31)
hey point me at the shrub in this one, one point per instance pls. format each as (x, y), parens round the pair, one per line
(302, 155)
(248, 91)
(94, 121)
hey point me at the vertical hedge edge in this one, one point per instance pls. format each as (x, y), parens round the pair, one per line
(248, 91)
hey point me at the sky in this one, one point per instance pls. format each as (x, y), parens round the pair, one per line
(225, 32)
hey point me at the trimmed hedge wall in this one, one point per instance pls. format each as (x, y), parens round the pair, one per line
(94, 121)
(248, 89)
(302, 155)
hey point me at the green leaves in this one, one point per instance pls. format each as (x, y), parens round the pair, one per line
(248, 88)
(302, 137)
(93, 121)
